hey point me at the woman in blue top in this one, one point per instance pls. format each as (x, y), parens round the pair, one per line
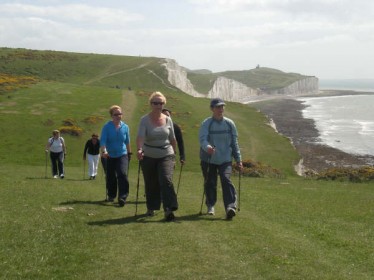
(219, 144)
(115, 147)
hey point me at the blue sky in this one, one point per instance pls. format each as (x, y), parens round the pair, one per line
(323, 38)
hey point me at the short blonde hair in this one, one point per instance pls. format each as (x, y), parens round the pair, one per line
(114, 107)
(157, 94)
(55, 132)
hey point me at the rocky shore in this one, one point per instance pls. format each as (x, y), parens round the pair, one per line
(286, 114)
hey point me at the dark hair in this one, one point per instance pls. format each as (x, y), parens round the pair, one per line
(166, 110)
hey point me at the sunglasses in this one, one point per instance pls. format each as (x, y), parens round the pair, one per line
(157, 103)
(118, 114)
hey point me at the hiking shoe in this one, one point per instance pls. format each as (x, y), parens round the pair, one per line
(230, 213)
(121, 202)
(150, 213)
(211, 210)
(109, 199)
(169, 216)
(55, 176)
(62, 176)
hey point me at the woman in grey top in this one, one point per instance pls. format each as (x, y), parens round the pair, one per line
(156, 151)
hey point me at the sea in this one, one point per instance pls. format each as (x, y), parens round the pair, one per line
(344, 122)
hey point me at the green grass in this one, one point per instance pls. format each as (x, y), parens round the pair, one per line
(286, 229)
(289, 228)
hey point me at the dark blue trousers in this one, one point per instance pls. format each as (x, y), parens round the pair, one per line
(210, 173)
(57, 160)
(116, 176)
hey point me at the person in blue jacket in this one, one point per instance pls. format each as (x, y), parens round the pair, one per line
(218, 139)
(115, 148)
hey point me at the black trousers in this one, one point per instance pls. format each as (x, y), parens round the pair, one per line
(57, 160)
(158, 180)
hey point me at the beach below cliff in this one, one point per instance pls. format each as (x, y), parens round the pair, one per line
(285, 113)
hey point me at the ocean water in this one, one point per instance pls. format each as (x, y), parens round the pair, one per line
(347, 84)
(344, 122)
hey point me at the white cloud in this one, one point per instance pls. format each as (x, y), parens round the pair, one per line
(311, 37)
(71, 14)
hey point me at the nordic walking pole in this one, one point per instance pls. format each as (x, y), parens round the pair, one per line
(137, 191)
(205, 181)
(46, 163)
(84, 168)
(202, 202)
(179, 180)
(240, 176)
(106, 178)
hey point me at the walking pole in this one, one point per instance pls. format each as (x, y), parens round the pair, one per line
(84, 169)
(179, 180)
(205, 181)
(106, 178)
(202, 201)
(240, 175)
(128, 163)
(137, 191)
(46, 162)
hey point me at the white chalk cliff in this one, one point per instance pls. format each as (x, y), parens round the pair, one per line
(232, 90)
(177, 76)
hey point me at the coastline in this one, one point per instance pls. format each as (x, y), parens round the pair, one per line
(286, 115)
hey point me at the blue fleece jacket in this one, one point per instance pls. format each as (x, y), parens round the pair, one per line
(224, 136)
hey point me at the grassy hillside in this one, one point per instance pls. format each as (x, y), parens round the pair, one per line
(88, 69)
(66, 90)
(288, 228)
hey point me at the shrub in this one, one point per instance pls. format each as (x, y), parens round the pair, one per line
(72, 130)
(257, 169)
(93, 119)
(358, 175)
(69, 126)
(69, 122)
(12, 82)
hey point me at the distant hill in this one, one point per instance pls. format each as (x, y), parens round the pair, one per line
(80, 68)
(134, 72)
(263, 78)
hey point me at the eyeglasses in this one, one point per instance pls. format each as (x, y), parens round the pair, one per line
(118, 114)
(157, 103)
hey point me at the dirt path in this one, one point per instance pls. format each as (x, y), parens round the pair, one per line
(107, 74)
(128, 105)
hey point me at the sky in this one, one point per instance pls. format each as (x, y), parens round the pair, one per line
(329, 39)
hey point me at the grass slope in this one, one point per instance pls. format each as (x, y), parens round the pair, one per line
(288, 228)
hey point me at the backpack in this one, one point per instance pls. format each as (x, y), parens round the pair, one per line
(52, 139)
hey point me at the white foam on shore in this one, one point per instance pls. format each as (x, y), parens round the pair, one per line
(344, 122)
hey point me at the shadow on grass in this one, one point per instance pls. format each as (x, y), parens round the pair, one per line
(98, 202)
(146, 219)
(55, 179)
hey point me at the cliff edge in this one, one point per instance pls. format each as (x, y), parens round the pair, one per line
(227, 87)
